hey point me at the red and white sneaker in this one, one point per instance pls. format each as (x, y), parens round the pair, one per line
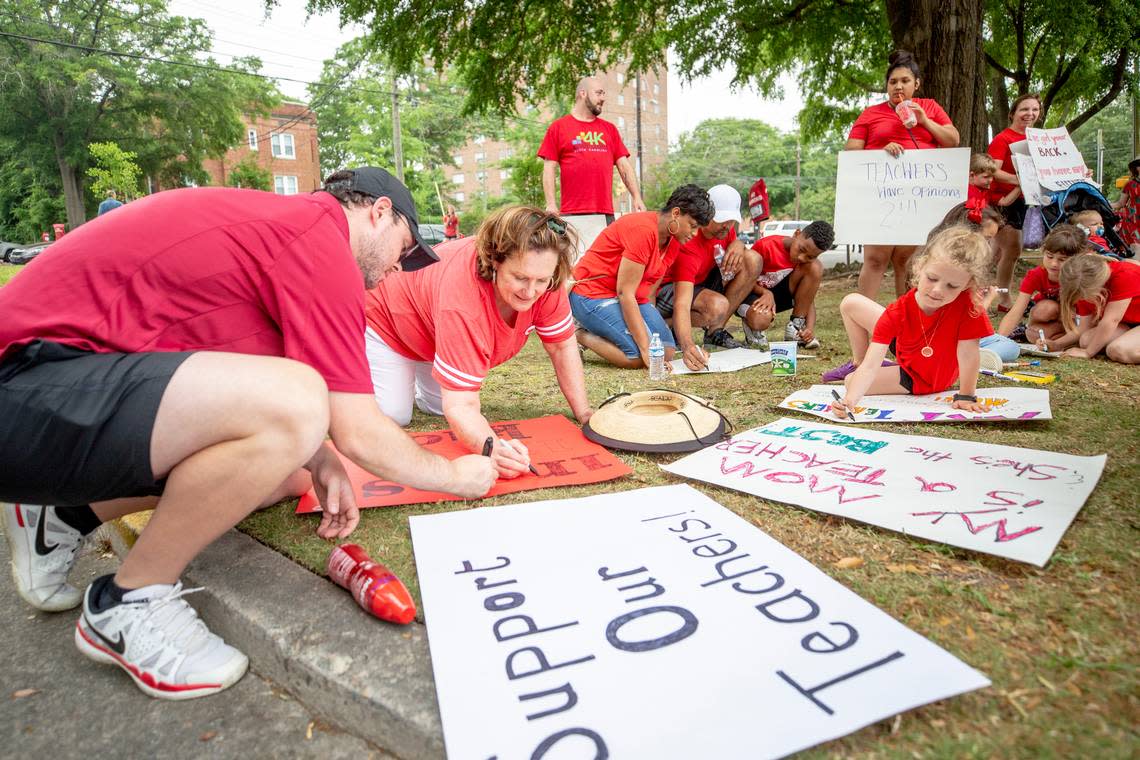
(43, 551)
(156, 637)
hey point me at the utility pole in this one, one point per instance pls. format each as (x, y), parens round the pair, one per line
(637, 84)
(397, 146)
(797, 179)
(1100, 157)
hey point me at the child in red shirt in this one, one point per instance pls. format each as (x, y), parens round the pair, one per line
(1040, 292)
(1106, 294)
(933, 330)
(982, 168)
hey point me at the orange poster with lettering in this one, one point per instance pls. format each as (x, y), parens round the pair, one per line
(558, 450)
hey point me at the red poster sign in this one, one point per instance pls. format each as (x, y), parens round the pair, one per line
(558, 450)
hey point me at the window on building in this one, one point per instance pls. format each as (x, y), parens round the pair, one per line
(479, 139)
(480, 176)
(457, 178)
(620, 78)
(281, 144)
(656, 150)
(251, 135)
(506, 153)
(285, 184)
(459, 197)
(656, 108)
(656, 89)
(621, 122)
(480, 157)
(657, 130)
(458, 160)
(621, 99)
(504, 173)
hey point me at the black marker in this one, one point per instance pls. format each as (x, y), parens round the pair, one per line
(488, 445)
(835, 395)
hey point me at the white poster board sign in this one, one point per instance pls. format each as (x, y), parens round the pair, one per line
(653, 624)
(1031, 189)
(1055, 155)
(1010, 502)
(730, 360)
(1005, 404)
(884, 200)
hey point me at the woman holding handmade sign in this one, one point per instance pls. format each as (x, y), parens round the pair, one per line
(617, 278)
(1005, 193)
(434, 333)
(933, 330)
(901, 122)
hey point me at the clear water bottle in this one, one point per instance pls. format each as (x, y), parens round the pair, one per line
(656, 358)
(718, 257)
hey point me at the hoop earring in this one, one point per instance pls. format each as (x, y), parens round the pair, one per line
(494, 273)
(669, 227)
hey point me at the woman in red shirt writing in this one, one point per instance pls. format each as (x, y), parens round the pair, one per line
(433, 334)
(616, 280)
(900, 123)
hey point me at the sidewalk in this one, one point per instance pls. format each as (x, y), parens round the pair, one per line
(326, 680)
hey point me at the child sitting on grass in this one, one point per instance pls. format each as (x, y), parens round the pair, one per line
(1106, 294)
(1040, 292)
(933, 330)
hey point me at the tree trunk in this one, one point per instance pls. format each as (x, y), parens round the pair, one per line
(72, 189)
(945, 37)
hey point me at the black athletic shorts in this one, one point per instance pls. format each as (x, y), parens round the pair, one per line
(905, 380)
(782, 292)
(1014, 213)
(75, 426)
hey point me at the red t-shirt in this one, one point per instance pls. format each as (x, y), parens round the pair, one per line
(879, 125)
(1036, 282)
(1123, 283)
(210, 269)
(633, 237)
(586, 152)
(446, 314)
(999, 149)
(977, 193)
(697, 257)
(775, 261)
(912, 330)
(450, 225)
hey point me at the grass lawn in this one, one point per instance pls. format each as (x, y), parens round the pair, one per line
(1060, 644)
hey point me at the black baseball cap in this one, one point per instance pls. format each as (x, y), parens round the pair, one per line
(377, 182)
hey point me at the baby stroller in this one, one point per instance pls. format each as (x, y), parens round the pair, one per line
(1080, 196)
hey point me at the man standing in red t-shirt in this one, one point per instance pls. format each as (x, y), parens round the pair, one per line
(586, 148)
(197, 346)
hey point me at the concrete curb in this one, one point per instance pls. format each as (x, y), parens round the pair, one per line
(368, 678)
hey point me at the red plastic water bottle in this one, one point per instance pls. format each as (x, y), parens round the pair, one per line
(374, 587)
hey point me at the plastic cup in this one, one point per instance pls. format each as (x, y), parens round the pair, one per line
(784, 357)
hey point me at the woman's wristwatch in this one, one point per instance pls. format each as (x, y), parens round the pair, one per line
(966, 397)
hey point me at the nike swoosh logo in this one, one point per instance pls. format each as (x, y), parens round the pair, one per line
(118, 646)
(41, 546)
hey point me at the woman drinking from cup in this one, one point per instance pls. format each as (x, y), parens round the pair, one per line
(900, 123)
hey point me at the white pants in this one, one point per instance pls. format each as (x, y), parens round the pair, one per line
(396, 380)
(588, 227)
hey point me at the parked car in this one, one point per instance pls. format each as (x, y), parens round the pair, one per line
(25, 253)
(747, 238)
(782, 227)
(432, 233)
(6, 248)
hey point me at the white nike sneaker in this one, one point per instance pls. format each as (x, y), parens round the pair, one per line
(156, 637)
(43, 550)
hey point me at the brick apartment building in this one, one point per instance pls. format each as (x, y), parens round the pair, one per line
(284, 143)
(476, 171)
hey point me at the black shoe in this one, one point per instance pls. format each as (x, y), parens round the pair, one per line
(1018, 335)
(722, 338)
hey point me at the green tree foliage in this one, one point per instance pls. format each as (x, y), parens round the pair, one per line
(112, 169)
(1116, 124)
(737, 152)
(78, 72)
(524, 185)
(837, 49)
(248, 174)
(30, 201)
(353, 103)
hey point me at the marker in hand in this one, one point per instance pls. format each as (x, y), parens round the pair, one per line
(1041, 340)
(490, 444)
(835, 395)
